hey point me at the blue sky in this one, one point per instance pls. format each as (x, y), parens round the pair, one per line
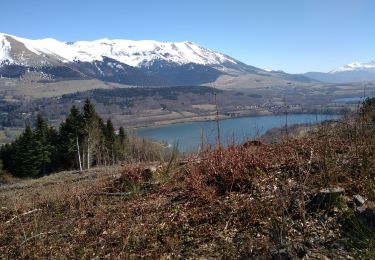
(292, 35)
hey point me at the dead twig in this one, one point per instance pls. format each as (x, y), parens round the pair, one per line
(23, 214)
(35, 236)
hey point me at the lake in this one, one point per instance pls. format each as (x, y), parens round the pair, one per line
(351, 99)
(188, 136)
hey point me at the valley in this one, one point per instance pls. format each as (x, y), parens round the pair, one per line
(145, 106)
(151, 83)
(187, 130)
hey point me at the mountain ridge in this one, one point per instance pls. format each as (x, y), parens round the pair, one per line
(133, 53)
(352, 72)
(145, 62)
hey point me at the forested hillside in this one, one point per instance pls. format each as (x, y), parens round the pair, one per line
(82, 140)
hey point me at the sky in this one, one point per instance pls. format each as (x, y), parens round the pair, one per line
(295, 36)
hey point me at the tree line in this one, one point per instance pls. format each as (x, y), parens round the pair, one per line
(82, 140)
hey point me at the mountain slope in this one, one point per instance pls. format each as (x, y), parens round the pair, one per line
(353, 72)
(123, 61)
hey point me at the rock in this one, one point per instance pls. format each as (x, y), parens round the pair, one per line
(366, 205)
(359, 200)
(326, 198)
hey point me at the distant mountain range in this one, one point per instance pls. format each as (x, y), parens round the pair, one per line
(144, 63)
(353, 72)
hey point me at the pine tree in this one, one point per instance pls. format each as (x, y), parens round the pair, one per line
(27, 159)
(7, 156)
(82, 139)
(122, 135)
(71, 135)
(1, 168)
(123, 143)
(43, 136)
(110, 132)
(92, 131)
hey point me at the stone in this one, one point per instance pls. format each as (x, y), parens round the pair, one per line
(327, 198)
(366, 205)
(359, 200)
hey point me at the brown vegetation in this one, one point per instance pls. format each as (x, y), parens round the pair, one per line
(252, 201)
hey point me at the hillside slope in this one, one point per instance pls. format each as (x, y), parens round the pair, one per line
(289, 200)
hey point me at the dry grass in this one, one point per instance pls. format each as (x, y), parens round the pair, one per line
(239, 202)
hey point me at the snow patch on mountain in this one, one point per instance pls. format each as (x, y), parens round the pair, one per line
(273, 70)
(4, 49)
(44, 47)
(355, 66)
(56, 48)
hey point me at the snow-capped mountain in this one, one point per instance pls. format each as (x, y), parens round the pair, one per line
(355, 66)
(144, 53)
(125, 61)
(132, 53)
(353, 72)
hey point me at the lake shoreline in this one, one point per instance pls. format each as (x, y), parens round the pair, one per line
(210, 118)
(235, 130)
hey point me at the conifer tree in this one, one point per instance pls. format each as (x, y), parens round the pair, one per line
(110, 132)
(83, 140)
(123, 143)
(7, 156)
(43, 135)
(92, 131)
(27, 159)
(71, 135)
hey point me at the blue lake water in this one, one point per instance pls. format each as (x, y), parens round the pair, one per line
(350, 99)
(188, 136)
